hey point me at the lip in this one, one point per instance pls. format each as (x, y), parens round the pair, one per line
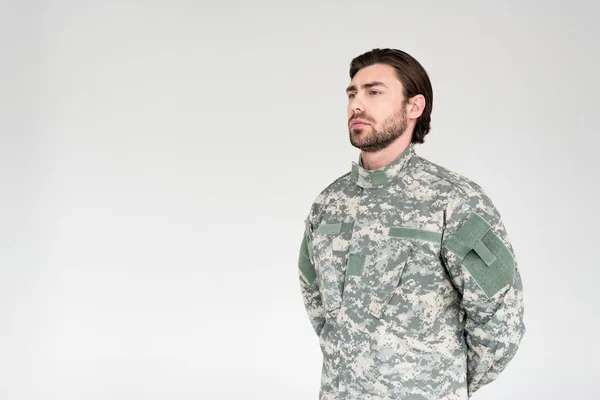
(357, 122)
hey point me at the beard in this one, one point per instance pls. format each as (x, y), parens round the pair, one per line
(392, 128)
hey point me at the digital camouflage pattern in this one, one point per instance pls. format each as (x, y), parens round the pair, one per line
(410, 282)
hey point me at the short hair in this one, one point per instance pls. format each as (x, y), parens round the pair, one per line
(413, 76)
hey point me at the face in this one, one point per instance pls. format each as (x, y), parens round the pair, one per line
(376, 115)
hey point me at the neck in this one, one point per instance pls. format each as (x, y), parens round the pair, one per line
(383, 157)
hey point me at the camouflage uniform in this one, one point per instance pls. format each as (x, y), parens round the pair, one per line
(410, 283)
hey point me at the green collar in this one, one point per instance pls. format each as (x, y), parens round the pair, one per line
(383, 176)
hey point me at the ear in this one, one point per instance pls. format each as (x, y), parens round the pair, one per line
(415, 106)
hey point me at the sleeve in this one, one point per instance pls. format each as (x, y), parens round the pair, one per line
(308, 282)
(481, 263)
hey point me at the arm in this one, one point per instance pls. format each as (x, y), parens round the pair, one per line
(481, 263)
(308, 283)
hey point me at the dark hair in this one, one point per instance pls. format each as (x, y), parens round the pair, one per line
(413, 77)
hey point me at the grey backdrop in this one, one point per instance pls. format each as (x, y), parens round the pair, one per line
(157, 160)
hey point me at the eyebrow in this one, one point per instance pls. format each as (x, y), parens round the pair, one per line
(366, 86)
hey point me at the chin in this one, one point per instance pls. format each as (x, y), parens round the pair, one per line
(357, 131)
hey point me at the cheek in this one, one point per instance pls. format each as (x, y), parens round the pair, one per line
(384, 115)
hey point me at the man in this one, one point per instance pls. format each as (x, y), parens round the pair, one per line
(406, 269)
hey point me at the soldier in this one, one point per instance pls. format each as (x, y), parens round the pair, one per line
(405, 267)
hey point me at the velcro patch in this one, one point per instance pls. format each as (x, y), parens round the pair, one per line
(413, 233)
(483, 254)
(356, 264)
(329, 228)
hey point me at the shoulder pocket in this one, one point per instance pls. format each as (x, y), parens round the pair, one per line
(304, 264)
(483, 254)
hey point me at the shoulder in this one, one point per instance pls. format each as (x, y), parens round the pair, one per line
(441, 178)
(338, 185)
(459, 191)
(468, 206)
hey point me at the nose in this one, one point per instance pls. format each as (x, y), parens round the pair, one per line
(355, 106)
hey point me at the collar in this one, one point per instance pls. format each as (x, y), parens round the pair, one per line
(383, 176)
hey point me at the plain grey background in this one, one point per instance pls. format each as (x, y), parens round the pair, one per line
(157, 161)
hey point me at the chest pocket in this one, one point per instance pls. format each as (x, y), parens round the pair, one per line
(330, 250)
(407, 298)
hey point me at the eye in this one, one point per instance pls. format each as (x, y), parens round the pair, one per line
(374, 92)
(351, 95)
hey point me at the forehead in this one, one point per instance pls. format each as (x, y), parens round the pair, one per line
(377, 72)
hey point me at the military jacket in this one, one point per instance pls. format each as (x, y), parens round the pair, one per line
(410, 282)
